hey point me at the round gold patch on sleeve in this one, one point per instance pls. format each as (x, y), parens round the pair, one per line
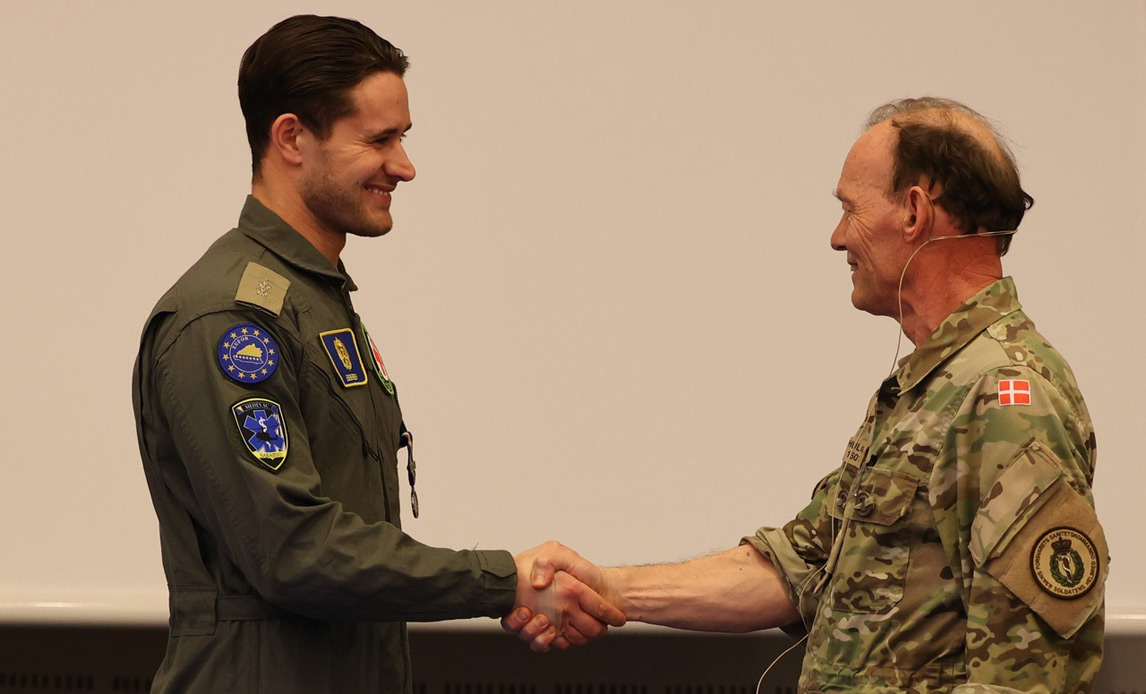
(1065, 563)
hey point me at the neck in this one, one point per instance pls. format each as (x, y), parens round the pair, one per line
(287, 204)
(936, 289)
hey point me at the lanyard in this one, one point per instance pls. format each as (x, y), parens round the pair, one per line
(411, 467)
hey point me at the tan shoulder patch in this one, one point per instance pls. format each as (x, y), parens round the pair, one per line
(1058, 562)
(262, 287)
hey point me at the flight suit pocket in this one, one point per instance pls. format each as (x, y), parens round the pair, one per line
(341, 446)
(877, 537)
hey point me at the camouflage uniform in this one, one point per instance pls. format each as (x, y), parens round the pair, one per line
(969, 558)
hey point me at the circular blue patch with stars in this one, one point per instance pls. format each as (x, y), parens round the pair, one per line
(248, 353)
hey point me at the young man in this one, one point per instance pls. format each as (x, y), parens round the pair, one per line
(268, 425)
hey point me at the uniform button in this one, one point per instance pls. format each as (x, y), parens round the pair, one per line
(841, 499)
(864, 505)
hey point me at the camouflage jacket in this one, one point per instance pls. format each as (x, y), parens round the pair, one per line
(956, 549)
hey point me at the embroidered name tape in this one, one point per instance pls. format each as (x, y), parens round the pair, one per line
(248, 353)
(263, 429)
(1013, 391)
(342, 348)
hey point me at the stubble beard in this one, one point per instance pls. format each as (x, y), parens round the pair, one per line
(339, 210)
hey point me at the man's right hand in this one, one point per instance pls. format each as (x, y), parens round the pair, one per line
(559, 599)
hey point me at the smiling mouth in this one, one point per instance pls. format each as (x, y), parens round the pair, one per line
(382, 194)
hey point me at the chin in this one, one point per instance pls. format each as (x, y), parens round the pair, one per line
(368, 233)
(866, 306)
(372, 229)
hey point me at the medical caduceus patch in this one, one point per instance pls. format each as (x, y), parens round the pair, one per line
(263, 430)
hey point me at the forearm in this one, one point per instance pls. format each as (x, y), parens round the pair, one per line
(737, 590)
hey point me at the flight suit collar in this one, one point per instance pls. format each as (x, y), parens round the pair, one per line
(985, 308)
(265, 227)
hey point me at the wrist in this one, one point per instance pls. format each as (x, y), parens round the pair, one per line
(613, 581)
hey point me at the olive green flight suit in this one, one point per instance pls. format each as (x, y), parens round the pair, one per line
(287, 567)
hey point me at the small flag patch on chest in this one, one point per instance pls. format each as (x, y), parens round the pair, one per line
(1013, 391)
(379, 366)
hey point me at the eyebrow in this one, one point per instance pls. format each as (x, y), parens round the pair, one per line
(389, 131)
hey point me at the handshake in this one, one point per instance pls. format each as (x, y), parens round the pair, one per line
(562, 599)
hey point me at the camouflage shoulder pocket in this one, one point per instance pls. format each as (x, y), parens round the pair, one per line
(1018, 492)
(1042, 541)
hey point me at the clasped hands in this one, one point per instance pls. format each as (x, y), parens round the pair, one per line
(562, 599)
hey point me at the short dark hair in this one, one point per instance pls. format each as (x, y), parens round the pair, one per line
(307, 65)
(976, 170)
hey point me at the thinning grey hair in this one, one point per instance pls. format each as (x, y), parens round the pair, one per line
(952, 145)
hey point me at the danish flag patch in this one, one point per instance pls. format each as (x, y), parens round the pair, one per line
(1013, 391)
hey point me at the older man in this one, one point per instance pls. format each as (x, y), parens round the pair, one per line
(955, 548)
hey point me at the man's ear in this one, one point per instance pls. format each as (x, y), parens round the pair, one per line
(918, 214)
(288, 136)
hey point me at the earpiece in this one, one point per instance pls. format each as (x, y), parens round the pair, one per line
(899, 292)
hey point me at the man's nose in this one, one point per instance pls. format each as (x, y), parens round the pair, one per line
(400, 166)
(838, 236)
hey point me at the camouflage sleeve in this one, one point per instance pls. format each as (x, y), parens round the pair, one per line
(800, 549)
(1013, 509)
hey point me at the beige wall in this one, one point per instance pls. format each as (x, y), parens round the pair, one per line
(609, 300)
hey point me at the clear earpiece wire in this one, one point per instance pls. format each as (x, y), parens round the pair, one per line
(899, 290)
